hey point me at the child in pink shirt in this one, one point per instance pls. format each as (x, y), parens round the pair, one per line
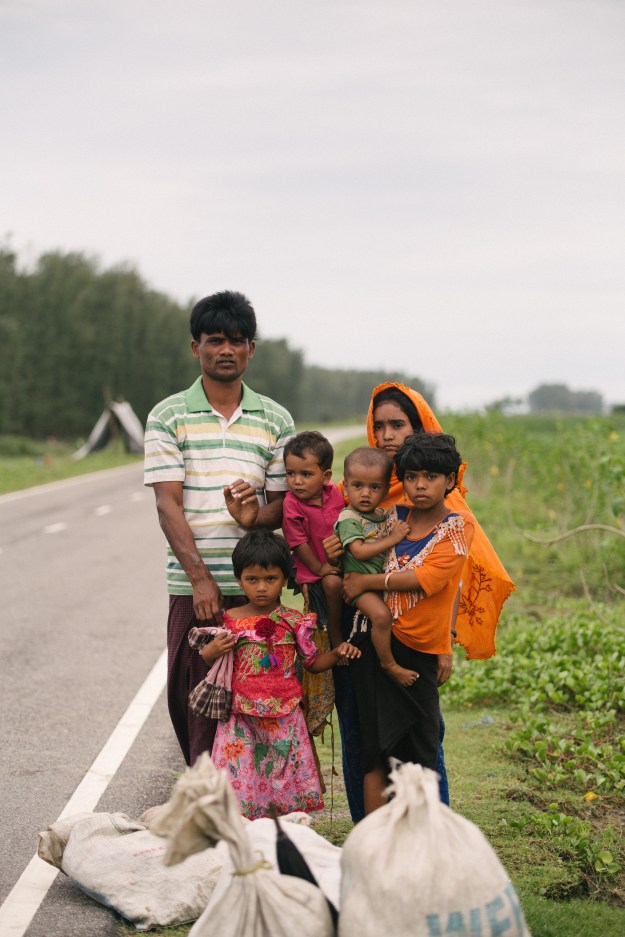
(310, 510)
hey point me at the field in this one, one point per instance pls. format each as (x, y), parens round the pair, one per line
(535, 742)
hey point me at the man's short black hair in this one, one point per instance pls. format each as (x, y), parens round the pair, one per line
(227, 312)
(313, 442)
(261, 548)
(371, 458)
(428, 452)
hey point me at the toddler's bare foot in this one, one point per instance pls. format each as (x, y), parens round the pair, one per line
(401, 675)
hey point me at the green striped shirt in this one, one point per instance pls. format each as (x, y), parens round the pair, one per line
(189, 442)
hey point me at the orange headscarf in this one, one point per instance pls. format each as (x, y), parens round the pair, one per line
(485, 583)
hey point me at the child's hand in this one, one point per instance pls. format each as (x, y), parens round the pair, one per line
(346, 652)
(328, 570)
(399, 532)
(219, 646)
(242, 502)
(333, 548)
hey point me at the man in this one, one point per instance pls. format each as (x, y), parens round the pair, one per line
(214, 456)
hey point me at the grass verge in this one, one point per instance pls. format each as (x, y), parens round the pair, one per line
(36, 463)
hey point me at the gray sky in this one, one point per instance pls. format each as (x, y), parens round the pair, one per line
(436, 187)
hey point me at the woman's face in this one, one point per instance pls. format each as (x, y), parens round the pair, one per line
(391, 427)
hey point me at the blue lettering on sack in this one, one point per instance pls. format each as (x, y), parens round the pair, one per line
(515, 904)
(495, 924)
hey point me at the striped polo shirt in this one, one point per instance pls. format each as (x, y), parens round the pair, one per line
(187, 441)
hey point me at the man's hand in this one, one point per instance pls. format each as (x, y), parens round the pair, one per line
(208, 602)
(242, 502)
(328, 570)
(445, 665)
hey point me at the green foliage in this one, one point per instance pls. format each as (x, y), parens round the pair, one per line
(563, 681)
(331, 394)
(531, 481)
(73, 336)
(595, 856)
(570, 663)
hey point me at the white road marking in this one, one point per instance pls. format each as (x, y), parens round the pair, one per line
(55, 528)
(23, 901)
(102, 510)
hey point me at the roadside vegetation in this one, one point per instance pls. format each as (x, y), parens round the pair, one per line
(27, 462)
(535, 736)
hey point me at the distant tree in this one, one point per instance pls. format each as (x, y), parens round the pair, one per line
(558, 398)
(73, 337)
(13, 340)
(330, 394)
(276, 370)
(507, 405)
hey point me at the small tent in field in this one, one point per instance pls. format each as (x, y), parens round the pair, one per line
(118, 419)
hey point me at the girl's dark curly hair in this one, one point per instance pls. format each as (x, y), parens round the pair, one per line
(428, 452)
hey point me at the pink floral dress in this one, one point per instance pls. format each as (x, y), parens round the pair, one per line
(264, 746)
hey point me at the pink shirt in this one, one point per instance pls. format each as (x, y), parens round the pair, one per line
(303, 522)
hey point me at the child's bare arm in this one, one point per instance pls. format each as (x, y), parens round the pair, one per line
(305, 554)
(341, 654)
(366, 550)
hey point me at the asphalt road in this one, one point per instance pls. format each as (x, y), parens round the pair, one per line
(82, 622)
(83, 612)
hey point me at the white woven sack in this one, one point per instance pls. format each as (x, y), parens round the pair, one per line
(120, 864)
(253, 901)
(322, 857)
(264, 903)
(414, 868)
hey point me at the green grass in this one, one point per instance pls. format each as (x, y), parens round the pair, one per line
(491, 790)
(25, 463)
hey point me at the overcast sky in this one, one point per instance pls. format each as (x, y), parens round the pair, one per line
(436, 187)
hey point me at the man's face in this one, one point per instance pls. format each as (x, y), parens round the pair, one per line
(221, 358)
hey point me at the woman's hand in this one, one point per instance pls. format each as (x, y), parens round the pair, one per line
(353, 586)
(219, 646)
(445, 666)
(242, 502)
(333, 549)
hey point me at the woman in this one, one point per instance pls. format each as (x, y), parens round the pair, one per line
(396, 412)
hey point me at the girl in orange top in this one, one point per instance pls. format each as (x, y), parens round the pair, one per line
(421, 582)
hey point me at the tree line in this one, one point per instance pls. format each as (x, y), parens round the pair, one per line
(74, 336)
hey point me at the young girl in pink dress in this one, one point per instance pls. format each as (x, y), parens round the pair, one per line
(264, 745)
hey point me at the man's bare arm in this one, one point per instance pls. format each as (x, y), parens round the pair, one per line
(207, 598)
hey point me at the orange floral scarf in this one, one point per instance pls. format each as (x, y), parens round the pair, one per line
(485, 583)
